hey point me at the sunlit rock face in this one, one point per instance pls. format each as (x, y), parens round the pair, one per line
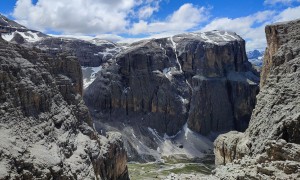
(270, 145)
(45, 128)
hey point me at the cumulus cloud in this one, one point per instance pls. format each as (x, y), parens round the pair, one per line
(108, 37)
(75, 16)
(244, 26)
(288, 14)
(147, 10)
(274, 2)
(108, 18)
(83, 16)
(252, 27)
(185, 18)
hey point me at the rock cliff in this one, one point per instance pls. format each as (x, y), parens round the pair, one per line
(270, 146)
(45, 128)
(202, 79)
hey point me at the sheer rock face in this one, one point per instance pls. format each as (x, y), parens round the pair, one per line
(278, 35)
(45, 128)
(276, 115)
(203, 79)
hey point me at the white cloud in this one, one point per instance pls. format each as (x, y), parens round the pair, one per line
(274, 2)
(112, 17)
(83, 16)
(147, 10)
(108, 37)
(252, 27)
(75, 16)
(288, 14)
(245, 27)
(185, 18)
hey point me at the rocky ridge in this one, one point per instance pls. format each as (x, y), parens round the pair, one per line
(46, 129)
(90, 53)
(202, 80)
(270, 146)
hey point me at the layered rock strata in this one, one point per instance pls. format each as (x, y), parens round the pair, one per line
(45, 128)
(270, 146)
(202, 79)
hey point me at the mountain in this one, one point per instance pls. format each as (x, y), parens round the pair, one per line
(9, 24)
(157, 90)
(270, 147)
(256, 57)
(255, 54)
(45, 128)
(12, 31)
(91, 53)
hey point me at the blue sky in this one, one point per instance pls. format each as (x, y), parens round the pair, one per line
(129, 20)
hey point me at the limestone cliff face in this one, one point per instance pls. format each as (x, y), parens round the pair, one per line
(275, 117)
(45, 128)
(223, 85)
(277, 35)
(202, 79)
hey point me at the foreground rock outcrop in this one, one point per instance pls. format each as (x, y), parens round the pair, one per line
(270, 146)
(45, 128)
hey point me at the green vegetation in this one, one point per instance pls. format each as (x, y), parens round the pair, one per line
(147, 171)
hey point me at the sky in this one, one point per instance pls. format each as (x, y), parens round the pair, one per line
(130, 20)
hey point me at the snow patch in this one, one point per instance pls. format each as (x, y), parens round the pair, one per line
(185, 142)
(175, 50)
(8, 36)
(4, 20)
(29, 36)
(154, 133)
(89, 75)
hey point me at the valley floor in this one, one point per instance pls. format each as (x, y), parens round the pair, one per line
(160, 170)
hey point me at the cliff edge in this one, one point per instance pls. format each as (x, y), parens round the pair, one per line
(270, 147)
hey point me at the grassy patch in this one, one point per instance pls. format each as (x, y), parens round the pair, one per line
(192, 168)
(147, 171)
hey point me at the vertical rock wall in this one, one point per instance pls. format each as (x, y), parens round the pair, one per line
(201, 79)
(270, 146)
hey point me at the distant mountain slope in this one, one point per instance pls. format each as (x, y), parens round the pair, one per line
(14, 32)
(256, 57)
(90, 53)
(5, 22)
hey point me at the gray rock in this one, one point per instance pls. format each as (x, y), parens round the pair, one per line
(203, 79)
(200, 79)
(269, 148)
(45, 128)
